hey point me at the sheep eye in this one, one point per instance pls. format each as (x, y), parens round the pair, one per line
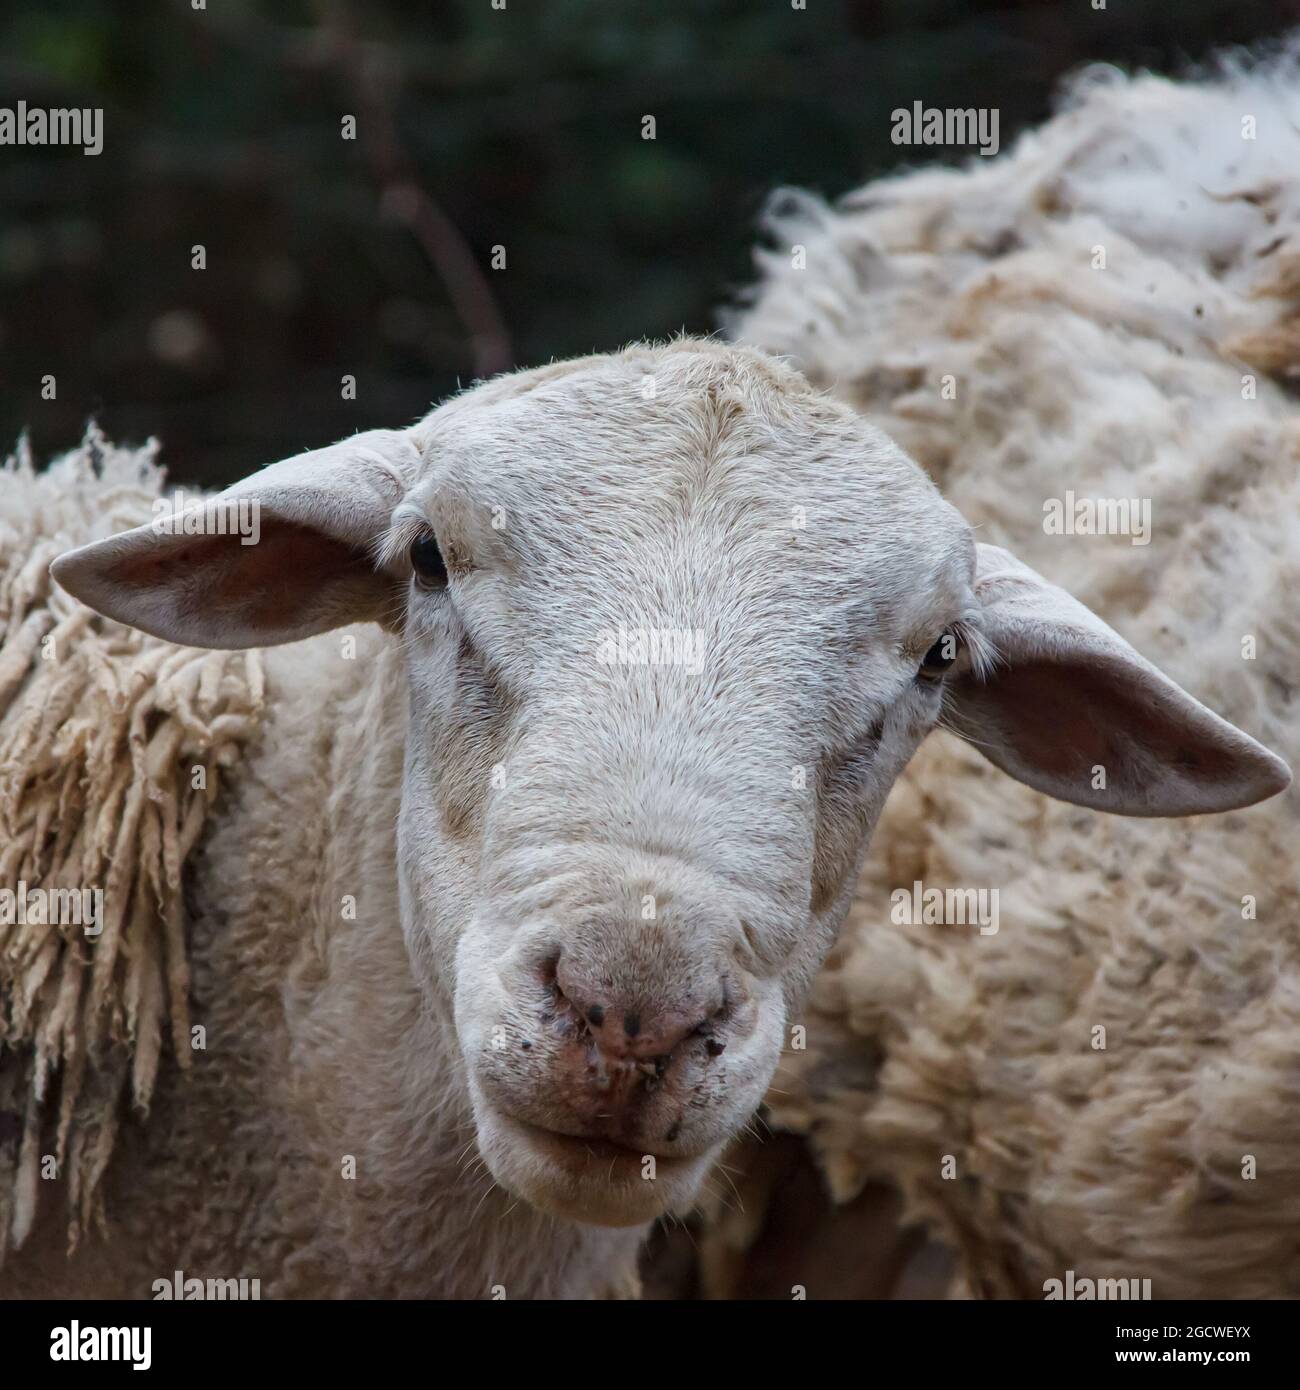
(426, 561)
(941, 656)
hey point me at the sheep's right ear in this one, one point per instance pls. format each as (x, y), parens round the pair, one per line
(284, 554)
(1070, 708)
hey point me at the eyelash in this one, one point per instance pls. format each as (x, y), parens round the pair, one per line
(967, 641)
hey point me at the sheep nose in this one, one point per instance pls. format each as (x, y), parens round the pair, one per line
(629, 1027)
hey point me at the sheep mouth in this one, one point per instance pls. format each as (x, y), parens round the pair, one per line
(574, 1152)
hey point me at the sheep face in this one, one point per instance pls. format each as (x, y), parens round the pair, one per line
(662, 677)
(673, 624)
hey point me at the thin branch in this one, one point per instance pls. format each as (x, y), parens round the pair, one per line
(402, 198)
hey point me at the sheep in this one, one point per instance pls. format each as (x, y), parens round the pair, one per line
(576, 707)
(1115, 307)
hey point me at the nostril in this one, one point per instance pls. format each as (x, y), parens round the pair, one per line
(631, 1024)
(575, 1019)
(751, 937)
(725, 1009)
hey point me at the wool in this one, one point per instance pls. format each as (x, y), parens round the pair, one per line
(961, 310)
(102, 733)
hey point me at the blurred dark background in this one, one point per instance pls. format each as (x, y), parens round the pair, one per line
(478, 127)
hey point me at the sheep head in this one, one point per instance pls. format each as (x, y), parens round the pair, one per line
(674, 623)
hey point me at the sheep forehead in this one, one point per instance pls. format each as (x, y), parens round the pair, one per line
(686, 457)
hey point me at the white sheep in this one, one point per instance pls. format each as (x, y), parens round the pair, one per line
(581, 703)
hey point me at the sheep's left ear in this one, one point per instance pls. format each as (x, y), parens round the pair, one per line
(1072, 710)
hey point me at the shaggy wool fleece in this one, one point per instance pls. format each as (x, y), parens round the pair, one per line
(112, 746)
(967, 1068)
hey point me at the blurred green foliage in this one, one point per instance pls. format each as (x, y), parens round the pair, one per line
(523, 125)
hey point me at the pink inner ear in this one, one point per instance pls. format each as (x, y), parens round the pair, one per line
(1065, 717)
(293, 574)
